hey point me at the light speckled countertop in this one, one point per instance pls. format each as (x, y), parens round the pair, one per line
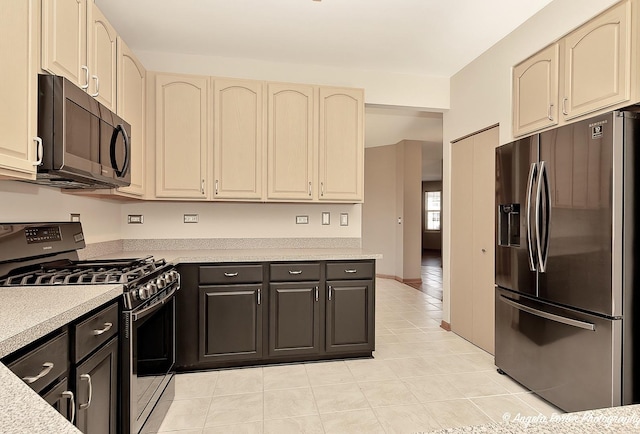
(27, 314)
(249, 255)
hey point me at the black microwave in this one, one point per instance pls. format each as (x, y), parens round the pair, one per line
(84, 144)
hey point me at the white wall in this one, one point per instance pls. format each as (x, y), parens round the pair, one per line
(481, 92)
(239, 220)
(22, 202)
(385, 88)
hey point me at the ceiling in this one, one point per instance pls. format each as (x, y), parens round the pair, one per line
(424, 37)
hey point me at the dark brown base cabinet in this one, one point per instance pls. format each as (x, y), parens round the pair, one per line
(244, 314)
(75, 369)
(230, 322)
(96, 391)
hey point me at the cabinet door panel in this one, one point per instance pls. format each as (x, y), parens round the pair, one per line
(294, 319)
(349, 316)
(102, 368)
(64, 39)
(238, 142)
(535, 92)
(290, 141)
(341, 146)
(181, 136)
(101, 50)
(597, 59)
(230, 322)
(132, 107)
(19, 88)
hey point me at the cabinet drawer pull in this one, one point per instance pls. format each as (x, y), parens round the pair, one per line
(322, 189)
(68, 394)
(230, 274)
(564, 105)
(317, 293)
(309, 189)
(46, 368)
(39, 151)
(216, 192)
(88, 403)
(295, 272)
(351, 271)
(330, 292)
(107, 327)
(259, 296)
(549, 114)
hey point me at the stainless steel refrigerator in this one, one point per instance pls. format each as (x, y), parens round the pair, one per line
(565, 258)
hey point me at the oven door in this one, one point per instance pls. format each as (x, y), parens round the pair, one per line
(148, 359)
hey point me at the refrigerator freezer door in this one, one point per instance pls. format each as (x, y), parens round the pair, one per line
(569, 358)
(516, 179)
(578, 215)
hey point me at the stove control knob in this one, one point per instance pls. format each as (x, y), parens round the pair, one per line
(160, 283)
(141, 294)
(169, 277)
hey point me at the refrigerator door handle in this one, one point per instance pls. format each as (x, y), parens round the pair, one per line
(544, 179)
(532, 175)
(550, 316)
(540, 253)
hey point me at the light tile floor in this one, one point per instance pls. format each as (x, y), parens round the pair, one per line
(421, 378)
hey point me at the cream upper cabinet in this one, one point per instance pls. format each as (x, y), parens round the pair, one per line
(19, 88)
(238, 144)
(64, 39)
(102, 58)
(181, 136)
(132, 108)
(597, 59)
(290, 141)
(341, 144)
(535, 91)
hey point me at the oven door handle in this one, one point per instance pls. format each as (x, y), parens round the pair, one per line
(150, 309)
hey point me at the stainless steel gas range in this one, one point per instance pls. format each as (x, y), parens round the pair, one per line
(39, 254)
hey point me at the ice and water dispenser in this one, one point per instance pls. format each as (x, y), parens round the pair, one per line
(509, 224)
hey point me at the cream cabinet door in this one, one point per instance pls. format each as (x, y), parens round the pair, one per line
(597, 59)
(19, 88)
(64, 39)
(181, 136)
(535, 92)
(132, 108)
(341, 144)
(290, 141)
(473, 238)
(238, 139)
(101, 52)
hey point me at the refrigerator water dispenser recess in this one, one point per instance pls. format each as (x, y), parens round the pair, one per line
(509, 225)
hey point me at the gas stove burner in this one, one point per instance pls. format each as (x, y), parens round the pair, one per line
(70, 272)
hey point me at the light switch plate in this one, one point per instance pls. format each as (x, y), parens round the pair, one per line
(191, 218)
(326, 218)
(302, 219)
(344, 219)
(135, 219)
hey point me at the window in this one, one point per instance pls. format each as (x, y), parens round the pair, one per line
(432, 210)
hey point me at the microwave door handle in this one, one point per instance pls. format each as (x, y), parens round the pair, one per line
(127, 151)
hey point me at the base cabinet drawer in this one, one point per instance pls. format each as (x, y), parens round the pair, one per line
(95, 331)
(350, 270)
(43, 365)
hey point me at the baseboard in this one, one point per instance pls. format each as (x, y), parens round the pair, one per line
(445, 325)
(410, 282)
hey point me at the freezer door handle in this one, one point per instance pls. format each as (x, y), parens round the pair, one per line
(533, 170)
(550, 316)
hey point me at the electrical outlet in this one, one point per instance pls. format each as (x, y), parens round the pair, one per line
(74, 217)
(326, 218)
(302, 219)
(191, 218)
(344, 219)
(135, 219)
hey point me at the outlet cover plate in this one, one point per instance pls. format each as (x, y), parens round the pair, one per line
(344, 219)
(326, 218)
(74, 217)
(302, 219)
(191, 218)
(137, 219)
